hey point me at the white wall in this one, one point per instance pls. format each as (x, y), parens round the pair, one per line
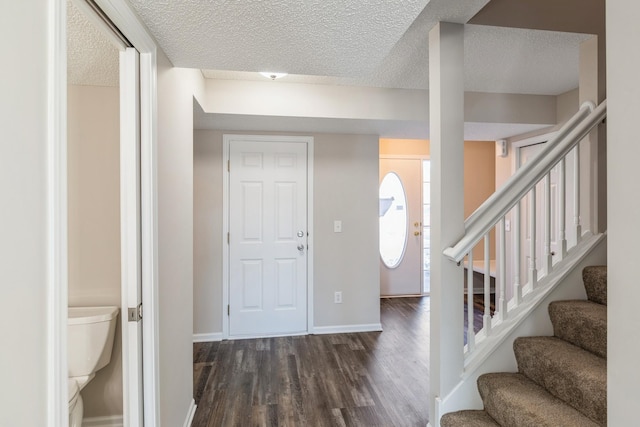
(23, 214)
(93, 167)
(345, 188)
(373, 108)
(623, 92)
(176, 88)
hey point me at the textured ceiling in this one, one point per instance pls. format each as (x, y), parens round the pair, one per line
(92, 59)
(379, 44)
(315, 37)
(501, 60)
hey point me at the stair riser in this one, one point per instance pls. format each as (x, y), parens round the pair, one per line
(581, 323)
(595, 283)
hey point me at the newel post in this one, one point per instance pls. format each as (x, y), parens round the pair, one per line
(446, 123)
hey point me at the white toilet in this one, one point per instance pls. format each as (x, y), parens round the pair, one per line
(90, 341)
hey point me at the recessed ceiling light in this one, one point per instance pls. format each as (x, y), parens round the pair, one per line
(271, 75)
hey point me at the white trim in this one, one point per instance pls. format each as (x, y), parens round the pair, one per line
(190, 413)
(225, 224)
(215, 336)
(347, 329)
(109, 421)
(57, 274)
(225, 230)
(131, 287)
(310, 239)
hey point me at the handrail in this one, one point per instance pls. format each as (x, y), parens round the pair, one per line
(499, 203)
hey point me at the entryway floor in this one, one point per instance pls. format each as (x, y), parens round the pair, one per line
(359, 379)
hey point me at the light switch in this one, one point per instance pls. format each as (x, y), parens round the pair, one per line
(507, 225)
(337, 226)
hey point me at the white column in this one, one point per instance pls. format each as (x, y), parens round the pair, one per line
(446, 122)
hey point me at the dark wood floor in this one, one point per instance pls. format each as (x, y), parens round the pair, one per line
(360, 379)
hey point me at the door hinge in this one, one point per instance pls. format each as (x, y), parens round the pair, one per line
(228, 310)
(228, 165)
(135, 313)
(228, 238)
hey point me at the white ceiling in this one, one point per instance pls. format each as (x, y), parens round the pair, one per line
(380, 44)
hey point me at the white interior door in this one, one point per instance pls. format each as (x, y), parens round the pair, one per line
(268, 237)
(400, 215)
(131, 262)
(526, 154)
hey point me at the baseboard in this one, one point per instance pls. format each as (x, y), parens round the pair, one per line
(110, 421)
(216, 336)
(190, 414)
(347, 329)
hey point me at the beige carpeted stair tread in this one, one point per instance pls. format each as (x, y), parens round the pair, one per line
(570, 373)
(595, 283)
(467, 419)
(515, 401)
(582, 323)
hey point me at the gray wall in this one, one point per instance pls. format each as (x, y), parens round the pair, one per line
(93, 165)
(345, 188)
(176, 88)
(623, 92)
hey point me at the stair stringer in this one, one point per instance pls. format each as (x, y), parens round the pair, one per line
(532, 320)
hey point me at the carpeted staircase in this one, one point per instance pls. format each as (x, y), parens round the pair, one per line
(561, 380)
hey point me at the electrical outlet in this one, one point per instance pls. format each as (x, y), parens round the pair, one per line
(337, 226)
(337, 297)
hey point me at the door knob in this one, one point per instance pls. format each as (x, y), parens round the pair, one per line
(416, 233)
(301, 248)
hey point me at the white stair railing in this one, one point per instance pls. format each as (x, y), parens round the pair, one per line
(510, 292)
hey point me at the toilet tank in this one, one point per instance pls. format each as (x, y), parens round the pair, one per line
(90, 338)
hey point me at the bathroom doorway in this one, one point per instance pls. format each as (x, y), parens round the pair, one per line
(93, 200)
(109, 203)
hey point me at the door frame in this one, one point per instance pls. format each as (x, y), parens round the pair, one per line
(57, 276)
(516, 161)
(227, 138)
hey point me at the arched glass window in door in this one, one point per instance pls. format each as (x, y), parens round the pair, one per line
(393, 220)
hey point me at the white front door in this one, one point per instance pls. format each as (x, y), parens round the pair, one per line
(268, 236)
(401, 228)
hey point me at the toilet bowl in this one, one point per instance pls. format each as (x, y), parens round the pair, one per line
(90, 333)
(75, 404)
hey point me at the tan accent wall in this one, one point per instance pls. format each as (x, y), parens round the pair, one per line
(413, 147)
(93, 161)
(479, 184)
